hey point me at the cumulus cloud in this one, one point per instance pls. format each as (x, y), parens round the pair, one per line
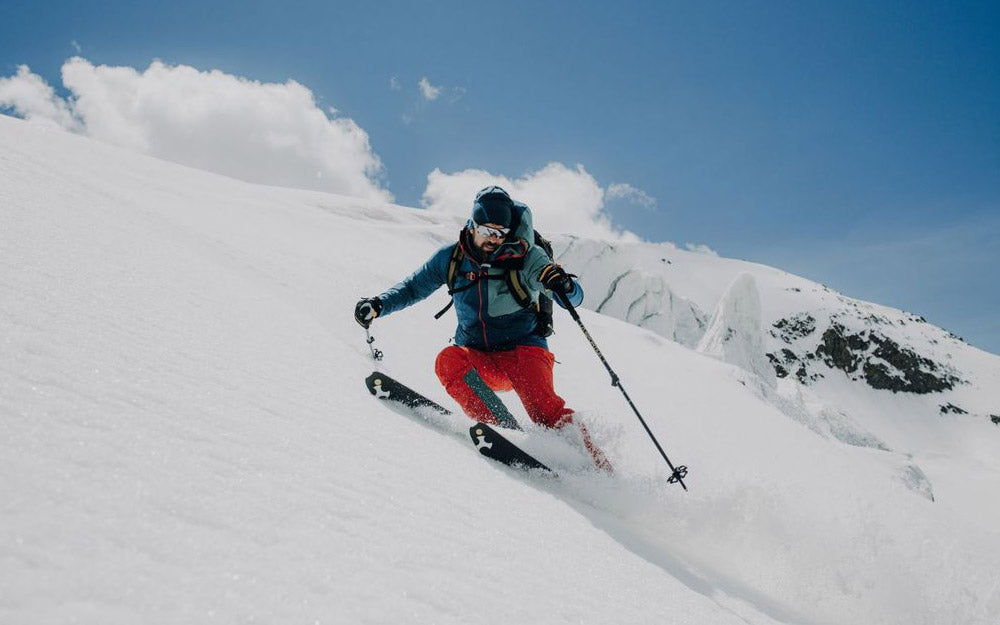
(29, 96)
(270, 133)
(627, 192)
(563, 200)
(700, 248)
(429, 91)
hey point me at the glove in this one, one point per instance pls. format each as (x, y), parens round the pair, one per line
(555, 278)
(366, 311)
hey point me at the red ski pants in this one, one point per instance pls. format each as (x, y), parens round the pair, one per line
(526, 369)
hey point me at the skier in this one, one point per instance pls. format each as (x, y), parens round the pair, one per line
(495, 275)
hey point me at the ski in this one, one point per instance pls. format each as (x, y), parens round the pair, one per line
(492, 444)
(385, 388)
(487, 440)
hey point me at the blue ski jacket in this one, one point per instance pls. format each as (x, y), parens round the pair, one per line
(489, 317)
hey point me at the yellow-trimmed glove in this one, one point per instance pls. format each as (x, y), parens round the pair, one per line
(555, 278)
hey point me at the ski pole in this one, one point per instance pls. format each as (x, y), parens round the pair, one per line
(677, 474)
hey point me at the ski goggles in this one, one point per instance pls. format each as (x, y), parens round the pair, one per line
(495, 232)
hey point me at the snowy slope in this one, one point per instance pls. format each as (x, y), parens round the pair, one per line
(185, 437)
(864, 374)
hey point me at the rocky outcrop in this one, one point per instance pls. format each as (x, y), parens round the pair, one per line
(883, 363)
(788, 363)
(795, 327)
(865, 355)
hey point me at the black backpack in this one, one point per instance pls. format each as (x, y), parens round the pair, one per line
(543, 309)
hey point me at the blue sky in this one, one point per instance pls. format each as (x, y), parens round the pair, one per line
(854, 143)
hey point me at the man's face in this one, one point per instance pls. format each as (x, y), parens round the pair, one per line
(487, 243)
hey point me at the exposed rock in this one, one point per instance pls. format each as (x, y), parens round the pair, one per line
(836, 350)
(779, 369)
(888, 366)
(950, 408)
(919, 374)
(788, 361)
(866, 355)
(795, 327)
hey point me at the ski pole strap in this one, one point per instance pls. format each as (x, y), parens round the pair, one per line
(445, 309)
(452, 292)
(472, 282)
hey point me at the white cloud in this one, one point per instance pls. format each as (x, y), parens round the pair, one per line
(394, 84)
(268, 133)
(700, 248)
(429, 91)
(30, 97)
(76, 46)
(562, 200)
(624, 191)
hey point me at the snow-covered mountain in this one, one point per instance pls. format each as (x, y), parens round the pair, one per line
(866, 367)
(185, 435)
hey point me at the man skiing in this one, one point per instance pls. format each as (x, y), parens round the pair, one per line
(495, 275)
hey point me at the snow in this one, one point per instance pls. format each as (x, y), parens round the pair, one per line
(185, 435)
(735, 335)
(913, 427)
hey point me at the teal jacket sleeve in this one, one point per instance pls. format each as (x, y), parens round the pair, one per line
(419, 285)
(575, 296)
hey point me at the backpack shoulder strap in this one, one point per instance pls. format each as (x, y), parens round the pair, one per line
(453, 262)
(456, 259)
(515, 282)
(544, 243)
(517, 289)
